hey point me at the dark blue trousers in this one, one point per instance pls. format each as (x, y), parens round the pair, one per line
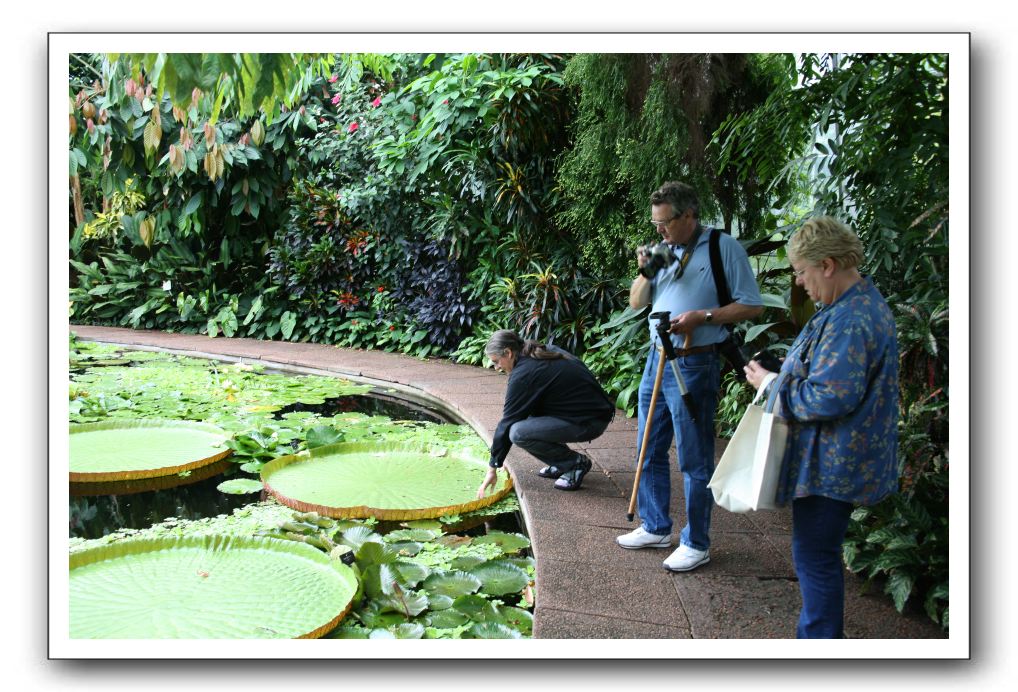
(818, 530)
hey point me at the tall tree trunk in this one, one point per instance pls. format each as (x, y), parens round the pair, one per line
(79, 206)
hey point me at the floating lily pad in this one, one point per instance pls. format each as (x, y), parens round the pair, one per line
(118, 450)
(388, 481)
(499, 577)
(492, 630)
(451, 584)
(508, 542)
(209, 587)
(239, 486)
(447, 619)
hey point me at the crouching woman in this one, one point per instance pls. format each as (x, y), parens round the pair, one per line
(551, 399)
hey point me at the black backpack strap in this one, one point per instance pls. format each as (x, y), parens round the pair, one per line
(717, 268)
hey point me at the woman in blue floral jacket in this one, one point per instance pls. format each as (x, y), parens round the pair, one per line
(840, 397)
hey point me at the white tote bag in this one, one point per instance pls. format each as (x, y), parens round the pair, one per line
(746, 478)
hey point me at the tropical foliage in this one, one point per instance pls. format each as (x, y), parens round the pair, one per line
(416, 203)
(870, 134)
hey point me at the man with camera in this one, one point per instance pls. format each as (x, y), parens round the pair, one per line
(676, 277)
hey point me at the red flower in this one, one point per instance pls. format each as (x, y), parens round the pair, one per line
(445, 102)
(414, 117)
(381, 289)
(377, 102)
(353, 127)
(333, 78)
(392, 327)
(353, 322)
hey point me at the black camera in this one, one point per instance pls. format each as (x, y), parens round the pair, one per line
(658, 257)
(767, 360)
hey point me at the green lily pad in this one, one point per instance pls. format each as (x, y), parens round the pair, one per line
(239, 486)
(491, 630)
(508, 542)
(517, 618)
(208, 587)
(385, 481)
(499, 577)
(446, 619)
(476, 607)
(451, 584)
(437, 601)
(118, 450)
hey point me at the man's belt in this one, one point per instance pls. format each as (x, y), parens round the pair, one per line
(711, 348)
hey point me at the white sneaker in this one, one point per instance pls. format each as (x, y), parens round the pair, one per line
(686, 558)
(642, 539)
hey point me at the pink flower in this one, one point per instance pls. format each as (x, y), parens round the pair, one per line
(336, 99)
(353, 127)
(333, 78)
(377, 102)
(445, 102)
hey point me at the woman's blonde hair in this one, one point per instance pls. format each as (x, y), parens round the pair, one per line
(822, 237)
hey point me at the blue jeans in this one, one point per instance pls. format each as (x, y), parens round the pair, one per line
(694, 440)
(544, 438)
(818, 530)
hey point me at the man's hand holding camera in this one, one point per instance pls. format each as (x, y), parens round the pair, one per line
(687, 322)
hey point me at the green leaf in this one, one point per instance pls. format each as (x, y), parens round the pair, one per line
(297, 589)
(130, 449)
(499, 577)
(286, 324)
(322, 435)
(452, 584)
(492, 630)
(899, 586)
(240, 486)
(757, 329)
(397, 480)
(508, 542)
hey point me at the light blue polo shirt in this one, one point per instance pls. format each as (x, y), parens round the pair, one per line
(696, 289)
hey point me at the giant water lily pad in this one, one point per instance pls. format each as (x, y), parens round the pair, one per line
(393, 481)
(118, 450)
(210, 587)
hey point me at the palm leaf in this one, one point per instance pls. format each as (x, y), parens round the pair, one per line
(208, 587)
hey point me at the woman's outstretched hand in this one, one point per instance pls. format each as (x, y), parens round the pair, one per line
(489, 479)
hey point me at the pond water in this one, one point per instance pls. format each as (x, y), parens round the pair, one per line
(255, 407)
(135, 505)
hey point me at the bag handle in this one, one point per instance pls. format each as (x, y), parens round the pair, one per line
(772, 398)
(768, 378)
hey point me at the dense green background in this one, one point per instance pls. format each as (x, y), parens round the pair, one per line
(415, 203)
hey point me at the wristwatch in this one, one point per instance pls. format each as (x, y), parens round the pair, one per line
(708, 316)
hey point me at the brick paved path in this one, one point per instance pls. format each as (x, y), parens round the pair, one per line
(589, 587)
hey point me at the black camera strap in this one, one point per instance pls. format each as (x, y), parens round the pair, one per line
(687, 253)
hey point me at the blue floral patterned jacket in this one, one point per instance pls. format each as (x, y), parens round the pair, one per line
(840, 397)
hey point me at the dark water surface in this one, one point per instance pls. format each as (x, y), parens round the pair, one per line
(102, 508)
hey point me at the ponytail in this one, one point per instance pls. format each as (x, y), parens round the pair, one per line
(507, 339)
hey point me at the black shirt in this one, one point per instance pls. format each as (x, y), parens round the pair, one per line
(562, 388)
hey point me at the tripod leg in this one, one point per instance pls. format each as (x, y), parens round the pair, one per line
(646, 432)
